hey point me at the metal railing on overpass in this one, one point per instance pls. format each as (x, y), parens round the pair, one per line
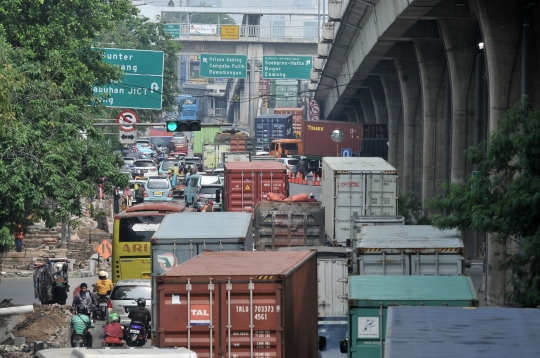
(245, 31)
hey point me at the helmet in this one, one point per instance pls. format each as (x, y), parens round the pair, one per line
(103, 274)
(311, 195)
(114, 317)
(81, 309)
(141, 302)
(58, 265)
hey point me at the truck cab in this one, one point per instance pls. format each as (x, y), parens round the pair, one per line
(281, 148)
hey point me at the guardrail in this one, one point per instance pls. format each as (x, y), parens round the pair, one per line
(265, 31)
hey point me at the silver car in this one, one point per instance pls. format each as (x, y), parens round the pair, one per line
(124, 297)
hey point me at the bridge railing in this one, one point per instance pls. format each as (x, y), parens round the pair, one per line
(266, 31)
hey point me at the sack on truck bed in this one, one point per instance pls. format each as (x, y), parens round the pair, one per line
(298, 198)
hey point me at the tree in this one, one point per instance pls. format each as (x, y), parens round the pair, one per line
(504, 199)
(50, 154)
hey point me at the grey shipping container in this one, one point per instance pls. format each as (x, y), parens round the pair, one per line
(447, 332)
(279, 224)
(236, 157)
(361, 221)
(418, 250)
(272, 126)
(353, 187)
(262, 158)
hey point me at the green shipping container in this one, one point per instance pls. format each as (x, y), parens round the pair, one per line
(204, 136)
(370, 296)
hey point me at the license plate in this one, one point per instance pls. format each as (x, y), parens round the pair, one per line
(134, 331)
(103, 304)
(136, 327)
(158, 193)
(127, 309)
(144, 170)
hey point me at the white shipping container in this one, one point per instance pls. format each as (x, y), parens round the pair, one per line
(212, 154)
(235, 157)
(409, 250)
(356, 186)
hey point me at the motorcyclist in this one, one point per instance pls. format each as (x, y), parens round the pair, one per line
(84, 297)
(140, 314)
(171, 147)
(113, 332)
(103, 286)
(80, 324)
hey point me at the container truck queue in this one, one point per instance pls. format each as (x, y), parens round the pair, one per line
(277, 276)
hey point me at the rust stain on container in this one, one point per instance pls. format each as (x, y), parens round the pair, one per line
(240, 304)
(247, 183)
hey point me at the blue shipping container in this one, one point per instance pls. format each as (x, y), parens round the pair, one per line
(272, 126)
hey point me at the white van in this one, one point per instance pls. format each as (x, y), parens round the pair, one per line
(290, 164)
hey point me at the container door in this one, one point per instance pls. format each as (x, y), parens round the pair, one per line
(379, 264)
(210, 156)
(368, 331)
(437, 265)
(241, 191)
(245, 305)
(332, 288)
(270, 182)
(381, 194)
(350, 203)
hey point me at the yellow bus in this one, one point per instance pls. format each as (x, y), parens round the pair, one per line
(132, 231)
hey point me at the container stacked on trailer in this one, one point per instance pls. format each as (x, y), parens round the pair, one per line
(272, 126)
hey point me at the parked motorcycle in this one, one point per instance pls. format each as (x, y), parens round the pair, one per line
(135, 334)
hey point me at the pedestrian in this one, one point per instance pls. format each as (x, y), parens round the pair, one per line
(140, 194)
(18, 235)
(312, 198)
(60, 281)
(116, 200)
(128, 196)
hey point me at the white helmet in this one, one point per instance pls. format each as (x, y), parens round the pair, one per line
(58, 265)
(103, 274)
(311, 195)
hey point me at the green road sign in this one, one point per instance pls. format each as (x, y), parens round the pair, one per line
(297, 67)
(223, 66)
(142, 92)
(172, 29)
(140, 87)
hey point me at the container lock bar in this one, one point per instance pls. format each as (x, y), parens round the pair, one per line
(220, 245)
(188, 327)
(251, 287)
(211, 327)
(381, 320)
(402, 264)
(204, 245)
(228, 287)
(190, 249)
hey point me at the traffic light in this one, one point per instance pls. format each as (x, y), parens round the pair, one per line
(189, 125)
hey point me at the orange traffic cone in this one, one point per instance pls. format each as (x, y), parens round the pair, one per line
(314, 180)
(299, 178)
(291, 177)
(305, 182)
(318, 182)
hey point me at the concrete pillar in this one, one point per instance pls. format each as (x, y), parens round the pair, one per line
(432, 65)
(367, 105)
(392, 93)
(358, 110)
(459, 37)
(379, 101)
(350, 114)
(411, 93)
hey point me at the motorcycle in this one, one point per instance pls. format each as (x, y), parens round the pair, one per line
(77, 340)
(110, 341)
(100, 311)
(135, 334)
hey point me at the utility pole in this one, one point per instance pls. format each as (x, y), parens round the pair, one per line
(251, 118)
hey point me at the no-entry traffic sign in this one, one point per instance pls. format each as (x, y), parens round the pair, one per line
(126, 119)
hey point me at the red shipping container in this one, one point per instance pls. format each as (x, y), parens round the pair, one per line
(247, 304)
(238, 144)
(247, 183)
(317, 141)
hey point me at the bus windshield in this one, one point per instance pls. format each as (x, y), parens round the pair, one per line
(138, 228)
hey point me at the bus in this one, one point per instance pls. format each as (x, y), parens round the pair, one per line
(188, 107)
(132, 231)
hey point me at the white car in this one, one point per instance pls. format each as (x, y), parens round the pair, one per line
(124, 297)
(145, 167)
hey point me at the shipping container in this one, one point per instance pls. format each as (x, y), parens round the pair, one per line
(361, 221)
(417, 250)
(317, 141)
(353, 187)
(332, 292)
(485, 332)
(298, 118)
(212, 155)
(150, 352)
(238, 144)
(373, 131)
(247, 183)
(263, 158)
(272, 126)
(240, 304)
(236, 157)
(279, 224)
(370, 297)
(204, 136)
(375, 148)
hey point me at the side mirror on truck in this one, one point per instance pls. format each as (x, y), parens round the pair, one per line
(343, 346)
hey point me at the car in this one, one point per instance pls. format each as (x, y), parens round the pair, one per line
(146, 167)
(131, 155)
(261, 151)
(194, 160)
(208, 192)
(167, 164)
(289, 163)
(194, 183)
(158, 188)
(181, 144)
(129, 160)
(125, 169)
(219, 171)
(124, 296)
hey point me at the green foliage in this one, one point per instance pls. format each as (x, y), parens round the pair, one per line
(504, 198)
(50, 154)
(410, 207)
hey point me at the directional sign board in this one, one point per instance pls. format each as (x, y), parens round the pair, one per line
(172, 29)
(346, 152)
(126, 119)
(223, 66)
(104, 249)
(127, 138)
(142, 84)
(294, 67)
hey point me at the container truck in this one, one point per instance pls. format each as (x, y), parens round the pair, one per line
(240, 304)
(418, 250)
(212, 155)
(279, 224)
(272, 126)
(352, 187)
(370, 297)
(239, 141)
(206, 136)
(298, 118)
(263, 158)
(235, 157)
(247, 183)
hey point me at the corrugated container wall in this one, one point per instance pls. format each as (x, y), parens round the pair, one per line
(373, 131)
(417, 250)
(236, 157)
(212, 155)
(238, 144)
(204, 136)
(375, 148)
(247, 183)
(298, 118)
(272, 126)
(236, 140)
(240, 304)
(353, 187)
(317, 141)
(279, 224)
